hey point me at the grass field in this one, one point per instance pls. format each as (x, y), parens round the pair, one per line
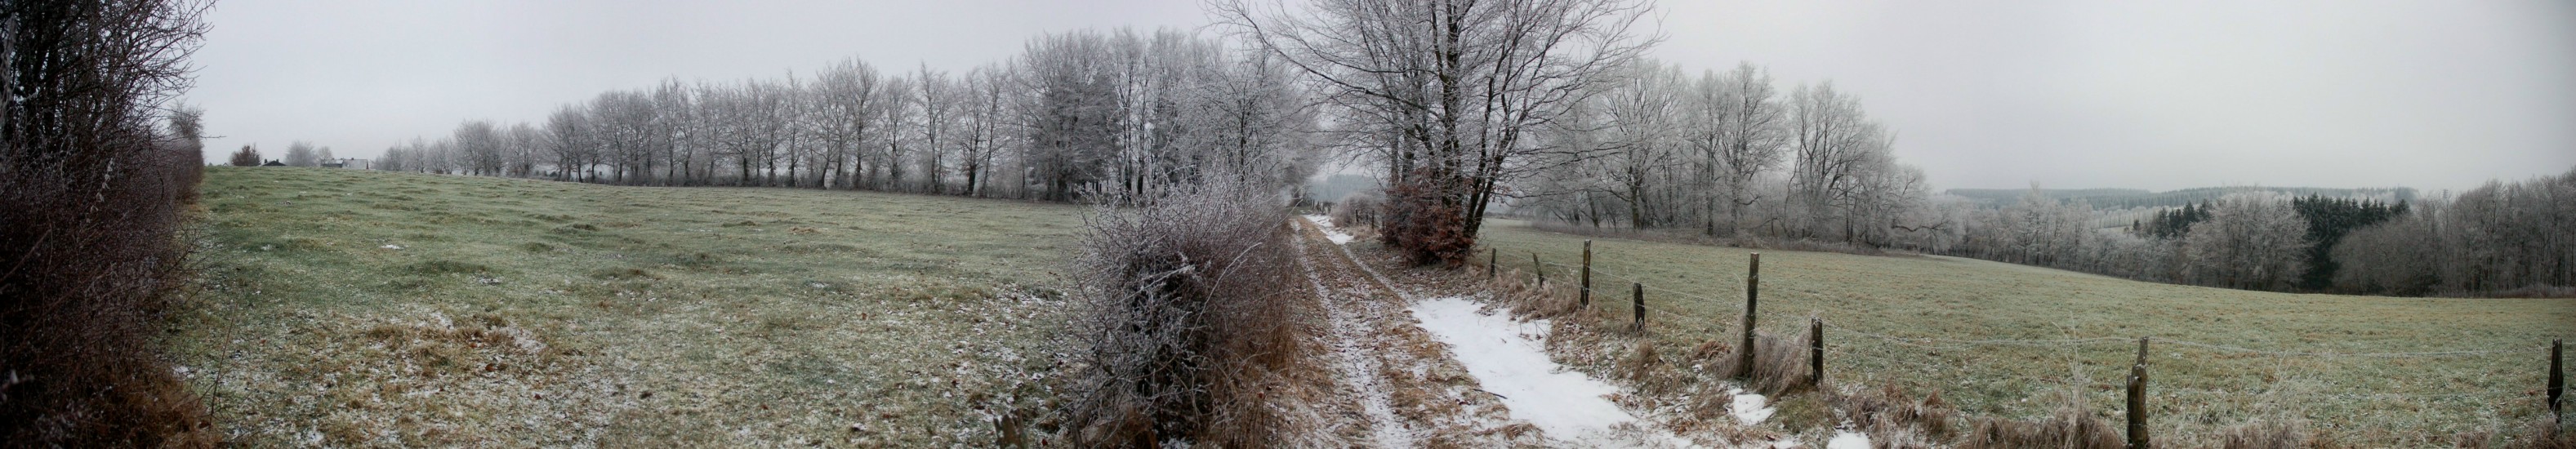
(385, 309)
(371, 308)
(2420, 399)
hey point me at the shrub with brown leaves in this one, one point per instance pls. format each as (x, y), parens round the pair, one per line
(1427, 222)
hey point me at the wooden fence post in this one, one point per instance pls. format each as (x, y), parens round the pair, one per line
(1585, 299)
(1639, 290)
(2138, 398)
(1490, 263)
(2557, 381)
(1752, 296)
(1816, 352)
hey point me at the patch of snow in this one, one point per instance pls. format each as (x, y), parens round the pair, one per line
(1504, 357)
(1749, 408)
(1845, 439)
(391, 247)
(1325, 223)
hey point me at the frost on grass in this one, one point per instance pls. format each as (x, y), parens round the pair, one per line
(1508, 357)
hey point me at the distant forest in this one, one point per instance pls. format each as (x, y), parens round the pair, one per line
(2500, 239)
(2133, 198)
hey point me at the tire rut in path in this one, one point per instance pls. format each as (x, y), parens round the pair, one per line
(1412, 392)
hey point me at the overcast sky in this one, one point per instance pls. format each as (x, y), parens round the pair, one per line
(2155, 95)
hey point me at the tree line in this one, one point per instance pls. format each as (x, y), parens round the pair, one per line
(1075, 115)
(1730, 154)
(1543, 107)
(2503, 238)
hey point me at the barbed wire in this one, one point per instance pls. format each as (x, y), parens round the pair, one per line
(2424, 354)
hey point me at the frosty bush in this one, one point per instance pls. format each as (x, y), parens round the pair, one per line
(1184, 317)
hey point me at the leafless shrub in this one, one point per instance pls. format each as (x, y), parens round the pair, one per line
(88, 247)
(1185, 321)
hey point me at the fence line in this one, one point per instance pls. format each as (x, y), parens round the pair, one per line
(2047, 342)
(2076, 381)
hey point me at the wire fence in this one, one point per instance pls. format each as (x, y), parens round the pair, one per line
(1908, 353)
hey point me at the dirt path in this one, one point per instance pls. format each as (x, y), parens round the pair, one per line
(1413, 390)
(1410, 393)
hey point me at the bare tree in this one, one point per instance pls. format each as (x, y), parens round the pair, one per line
(1741, 135)
(1832, 142)
(523, 148)
(571, 142)
(2251, 241)
(985, 125)
(1076, 121)
(300, 154)
(845, 112)
(936, 99)
(1446, 90)
(480, 144)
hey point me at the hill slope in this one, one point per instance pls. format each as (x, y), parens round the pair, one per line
(2384, 370)
(386, 309)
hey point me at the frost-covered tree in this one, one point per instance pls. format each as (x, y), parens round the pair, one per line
(300, 154)
(1447, 94)
(2251, 241)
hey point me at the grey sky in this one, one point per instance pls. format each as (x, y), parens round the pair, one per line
(2156, 95)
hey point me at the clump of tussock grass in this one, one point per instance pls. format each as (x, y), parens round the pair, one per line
(1187, 328)
(1531, 297)
(442, 266)
(1779, 364)
(1888, 413)
(804, 248)
(2070, 426)
(2543, 434)
(2265, 434)
(614, 274)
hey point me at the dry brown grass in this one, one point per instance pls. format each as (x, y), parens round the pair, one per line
(2265, 434)
(2069, 427)
(1779, 365)
(1888, 413)
(2543, 434)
